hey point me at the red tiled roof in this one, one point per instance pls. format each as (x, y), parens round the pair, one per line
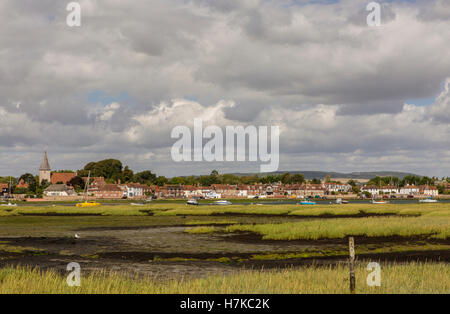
(63, 177)
(110, 188)
(22, 184)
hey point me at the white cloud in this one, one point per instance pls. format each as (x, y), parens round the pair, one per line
(336, 87)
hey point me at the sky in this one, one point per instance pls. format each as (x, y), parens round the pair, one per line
(346, 96)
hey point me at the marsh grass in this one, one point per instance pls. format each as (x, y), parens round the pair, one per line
(338, 228)
(395, 278)
(437, 209)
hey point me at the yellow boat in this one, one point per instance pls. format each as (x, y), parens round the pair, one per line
(88, 204)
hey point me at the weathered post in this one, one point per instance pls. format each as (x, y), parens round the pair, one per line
(351, 248)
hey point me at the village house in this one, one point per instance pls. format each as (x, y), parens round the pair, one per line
(312, 190)
(226, 190)
(22, 184)
(108, 191)
(171, 191)
(251, 190)
(409, 190)
(241, 192)
(193, 191)
(4, 189)
(389, 189)
(337, 187)
(372, 189)
(428, 190)
(292, 190)
(133, 190)
(211, 194)
(95, 181)
(59, 190)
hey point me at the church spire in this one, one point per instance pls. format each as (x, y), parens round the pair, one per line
(45, 166)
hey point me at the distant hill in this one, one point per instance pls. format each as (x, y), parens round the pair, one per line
(352, 175)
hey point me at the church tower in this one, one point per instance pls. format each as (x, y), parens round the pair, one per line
(44, 170)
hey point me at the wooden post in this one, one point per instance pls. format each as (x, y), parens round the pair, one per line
(351, 248)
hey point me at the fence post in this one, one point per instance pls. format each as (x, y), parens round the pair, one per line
(351, 248)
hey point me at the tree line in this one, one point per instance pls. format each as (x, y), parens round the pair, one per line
(113, 171)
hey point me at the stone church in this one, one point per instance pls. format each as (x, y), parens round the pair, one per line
(44, 170)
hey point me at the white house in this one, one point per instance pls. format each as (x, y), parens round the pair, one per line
(337, 187)
(389, 189)
(133, 190)
(372, 189)
(410, 190)
(59, 190)
(429, 190)
(212, 194)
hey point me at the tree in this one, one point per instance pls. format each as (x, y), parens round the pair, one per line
(214, 173)
(146, 177)
(286, 178)
(77, 183)
(355, 189)
(108, 168)
(31, 180)
(161, 180)
(298, 178)
(315, 181)
(127, 174)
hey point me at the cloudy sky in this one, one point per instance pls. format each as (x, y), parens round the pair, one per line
(346, 96)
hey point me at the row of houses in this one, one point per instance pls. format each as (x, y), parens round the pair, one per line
(406, 190)
(98, 188)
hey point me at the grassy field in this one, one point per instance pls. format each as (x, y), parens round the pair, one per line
(401, 278)
(205, 242)
(161, 209)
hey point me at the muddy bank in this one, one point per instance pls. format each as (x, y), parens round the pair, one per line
(255, 238)
(141, 263)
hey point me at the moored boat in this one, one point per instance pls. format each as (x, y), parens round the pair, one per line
(222, 202)
(9, 204)
(192, 202)
(428, 200)
(379, 202)
(307, 203)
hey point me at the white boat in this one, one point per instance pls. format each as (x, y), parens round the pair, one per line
(222, 202)
(379, 202)
(341, 201)
(9, 204)
(137, 204)
(428, 200)
(192, 202)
